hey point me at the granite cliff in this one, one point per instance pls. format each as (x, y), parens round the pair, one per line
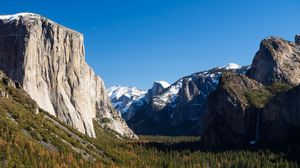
(48, 60)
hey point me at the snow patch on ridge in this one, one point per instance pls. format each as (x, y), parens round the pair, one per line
(116, 92)
(164, 84)
(122, 97)
(230, 66)
(17, 16)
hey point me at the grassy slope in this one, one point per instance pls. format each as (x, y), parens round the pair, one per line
(39, 140)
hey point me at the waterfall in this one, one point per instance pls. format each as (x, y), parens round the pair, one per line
(258, 113)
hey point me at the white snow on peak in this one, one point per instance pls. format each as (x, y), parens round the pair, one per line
(231, 66)
(30, 16)
(164, 84)
(17, 16)
(123, 97)
(116, 92)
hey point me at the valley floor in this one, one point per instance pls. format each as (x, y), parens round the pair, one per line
(157, 151)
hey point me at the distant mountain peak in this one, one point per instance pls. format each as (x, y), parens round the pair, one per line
(164, 84)
(116, 92)
(231, 66)
(122, 97)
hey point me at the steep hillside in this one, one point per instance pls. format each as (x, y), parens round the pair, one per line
(30, 137)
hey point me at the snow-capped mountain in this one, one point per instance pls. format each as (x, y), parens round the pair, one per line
(127, 100)
(122, 97)
(209, 78)
(230, 66)
(166, 109)
(179, 108)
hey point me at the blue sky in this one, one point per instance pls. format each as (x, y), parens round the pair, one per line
(134, 42)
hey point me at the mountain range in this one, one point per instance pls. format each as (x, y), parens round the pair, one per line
(175, 109)
(245, 104)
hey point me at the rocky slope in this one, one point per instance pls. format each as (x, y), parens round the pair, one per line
(179, 108)
(263, 109)
(31, 137)
(48, 60)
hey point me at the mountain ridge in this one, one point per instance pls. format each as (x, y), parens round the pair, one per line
(153, 107)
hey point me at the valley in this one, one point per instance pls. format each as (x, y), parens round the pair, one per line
(55, 111)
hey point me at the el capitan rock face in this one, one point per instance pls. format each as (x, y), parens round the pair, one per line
(49, 62)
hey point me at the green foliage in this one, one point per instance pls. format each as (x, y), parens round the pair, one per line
(40, 140)
(33, 140)
(278, 87)
(105, 120)
(258, 98)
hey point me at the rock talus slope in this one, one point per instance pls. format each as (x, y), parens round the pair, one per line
(49, 62)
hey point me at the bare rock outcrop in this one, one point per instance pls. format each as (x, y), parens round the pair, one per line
(49, 62)
(157, 88)
(277, 60)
